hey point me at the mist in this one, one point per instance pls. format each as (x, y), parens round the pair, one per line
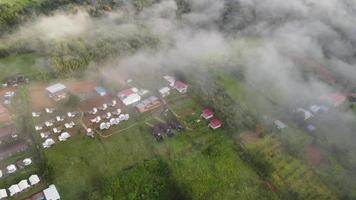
(275, 44)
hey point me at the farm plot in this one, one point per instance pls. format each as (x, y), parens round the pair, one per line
(290, 173)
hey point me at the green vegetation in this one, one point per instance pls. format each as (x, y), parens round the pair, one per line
(290, 175)
(195, 164)
(31, 65)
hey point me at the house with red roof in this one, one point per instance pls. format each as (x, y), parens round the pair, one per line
(215, 123)
(207, 113)
(336, 99)
(180, 86)
(129, 96)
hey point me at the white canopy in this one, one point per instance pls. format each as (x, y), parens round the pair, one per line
(34, 179)
(23, 185)
(55, 88)
(14, 189)
(3, 193)
(51, 193)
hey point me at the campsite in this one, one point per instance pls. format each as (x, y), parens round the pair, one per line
(177, 99)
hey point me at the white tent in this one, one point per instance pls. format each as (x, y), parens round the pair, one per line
(11, 168)
(48, 143)
(34, 179)
(3, 193)
(51, 193)
(122, 117)
(64, 136)
(27, 161)
(14, 189)
(23, 185)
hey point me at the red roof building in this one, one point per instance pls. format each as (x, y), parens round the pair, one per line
(207, 113)
(215, 123)
(335, 99)
(180, 86)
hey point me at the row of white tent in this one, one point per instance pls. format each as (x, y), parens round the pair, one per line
(50, 123)
(62, 137)
(12, 168)
(49, 111)
(108, 115)
(21, 186)
(103, 107)
(114, 121)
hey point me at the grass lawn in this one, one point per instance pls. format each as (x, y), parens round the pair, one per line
(80, 163)
(30, 65)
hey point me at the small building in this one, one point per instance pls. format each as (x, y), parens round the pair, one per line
(34, 179)
(170, 79)
(148, 104)
(14, 189)
(23, 185)
(215, 123)
(181, 87)
(57, 91)
(306, 113)
(280, 125)
(129, 96)
(335, 99)
(100, 90)
(165, 91)
(207, 113)
(51, 193)
(3, 193)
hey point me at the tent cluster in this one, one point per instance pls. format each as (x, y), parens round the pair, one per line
(114, 121)
(64, 135)
(20, 187)
(12, 168)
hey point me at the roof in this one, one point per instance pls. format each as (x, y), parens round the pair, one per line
(215, 122)
(337, 98)
(280, 124)
(100, 90)
(14, 189)
(56, 88)
(23, 185)
(34, 179)
(170, 79)
(51, 193)
(149, 102)
(130, 99)
(164, 90)
(207, 112)
(3, 193)
(127, 92)
(180, 85)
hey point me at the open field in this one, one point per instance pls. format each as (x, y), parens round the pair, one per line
(81, 162)
(29, 65)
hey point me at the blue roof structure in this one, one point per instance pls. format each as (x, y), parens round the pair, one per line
(100, 90)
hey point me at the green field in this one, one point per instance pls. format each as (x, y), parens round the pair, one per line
(202, 163)
(30, 65)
